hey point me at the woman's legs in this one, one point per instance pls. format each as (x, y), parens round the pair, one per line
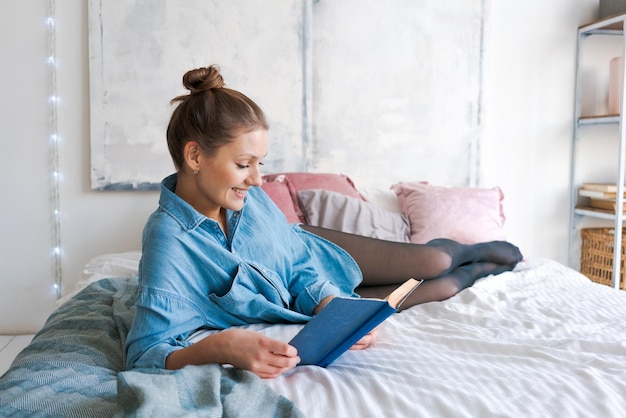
(439, 288)
(453, 266)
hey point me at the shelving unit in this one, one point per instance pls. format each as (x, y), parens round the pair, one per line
(611, 26)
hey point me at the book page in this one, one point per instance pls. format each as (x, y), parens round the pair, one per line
(399, 295)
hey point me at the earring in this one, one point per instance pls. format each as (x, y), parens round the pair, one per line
(196, 170)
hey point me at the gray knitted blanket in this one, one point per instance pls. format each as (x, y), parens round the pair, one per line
(74, 367)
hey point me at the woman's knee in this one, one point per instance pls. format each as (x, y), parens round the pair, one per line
(444, 288)
(438, 264)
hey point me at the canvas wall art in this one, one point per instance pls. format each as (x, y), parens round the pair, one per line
(139, 51)
(382, 91)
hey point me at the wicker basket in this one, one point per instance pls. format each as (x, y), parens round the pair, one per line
(596, 259)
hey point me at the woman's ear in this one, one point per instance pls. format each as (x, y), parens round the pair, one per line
(193, 154)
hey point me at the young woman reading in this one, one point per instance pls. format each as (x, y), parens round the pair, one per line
(217, 253)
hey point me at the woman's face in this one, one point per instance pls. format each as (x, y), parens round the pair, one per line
(224, 179)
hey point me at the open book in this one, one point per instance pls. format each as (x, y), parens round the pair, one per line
(343, 322)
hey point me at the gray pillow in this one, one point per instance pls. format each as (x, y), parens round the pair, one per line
(348, 214)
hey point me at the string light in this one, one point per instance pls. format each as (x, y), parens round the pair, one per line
(53, 141)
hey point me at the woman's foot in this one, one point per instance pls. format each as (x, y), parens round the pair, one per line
(498, 252)
(448, 285)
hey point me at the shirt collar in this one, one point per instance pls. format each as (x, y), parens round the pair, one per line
(183, 212)
(177, 208)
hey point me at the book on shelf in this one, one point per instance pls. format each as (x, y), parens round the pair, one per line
(600, 210)
(597, 194)
(608, 204)
(601, 187)
(343, 322)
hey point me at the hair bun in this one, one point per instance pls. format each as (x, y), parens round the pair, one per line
(203, 79)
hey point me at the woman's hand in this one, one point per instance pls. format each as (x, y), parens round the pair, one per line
(243, 349)
(364, 342)
(263, 356)
(367, 340)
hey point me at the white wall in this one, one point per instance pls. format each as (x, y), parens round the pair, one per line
(25, 237)
(527, 118)
(524, 143)
(92, 223)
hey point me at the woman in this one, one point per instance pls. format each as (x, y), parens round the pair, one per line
(218, 253)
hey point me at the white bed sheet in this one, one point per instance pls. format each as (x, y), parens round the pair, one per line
(541, 341)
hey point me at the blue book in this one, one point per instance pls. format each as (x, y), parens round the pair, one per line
(343, 322)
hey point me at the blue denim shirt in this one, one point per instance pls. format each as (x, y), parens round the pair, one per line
(192, 275)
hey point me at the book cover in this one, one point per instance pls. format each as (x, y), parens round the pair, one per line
(343, 322)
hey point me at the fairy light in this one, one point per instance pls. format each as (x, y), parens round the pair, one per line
(53, 147)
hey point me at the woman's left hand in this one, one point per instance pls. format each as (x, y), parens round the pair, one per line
(366, 341)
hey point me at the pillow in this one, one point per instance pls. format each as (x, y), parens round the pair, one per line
(103, 267)
(465, 214)
(385, 199)
(303, 181)
(353, 215)
(279, 193)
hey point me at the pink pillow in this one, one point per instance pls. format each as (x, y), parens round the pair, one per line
(465, 214)
(279, 193)
(305, 181)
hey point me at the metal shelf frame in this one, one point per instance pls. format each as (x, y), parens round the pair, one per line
(613, 26)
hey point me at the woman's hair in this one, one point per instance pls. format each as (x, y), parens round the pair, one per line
(210, 114)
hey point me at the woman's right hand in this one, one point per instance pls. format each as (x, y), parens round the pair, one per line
(262, 355)
(241, 348)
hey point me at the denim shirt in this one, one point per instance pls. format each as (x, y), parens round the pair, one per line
(192, 275)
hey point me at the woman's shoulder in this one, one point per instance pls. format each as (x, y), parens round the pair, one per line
(161, 224)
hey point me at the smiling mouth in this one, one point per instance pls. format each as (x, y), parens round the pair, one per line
(240, 191)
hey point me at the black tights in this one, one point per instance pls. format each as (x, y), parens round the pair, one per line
(446, 266)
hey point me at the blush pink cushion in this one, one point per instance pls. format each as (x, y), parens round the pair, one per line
(305, 181)
(279, 193)
(464, 214)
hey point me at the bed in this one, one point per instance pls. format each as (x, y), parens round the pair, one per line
(542, 340)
